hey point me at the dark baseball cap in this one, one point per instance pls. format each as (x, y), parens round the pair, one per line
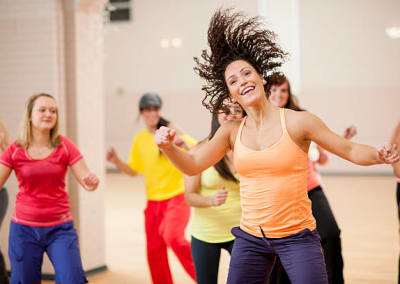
(150, 99)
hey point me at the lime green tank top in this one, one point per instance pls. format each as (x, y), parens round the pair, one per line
(214, 224)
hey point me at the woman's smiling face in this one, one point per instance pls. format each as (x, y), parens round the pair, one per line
(245, 84)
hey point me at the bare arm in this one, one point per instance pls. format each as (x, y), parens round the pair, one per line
(86, 178)
(4, 174)
(122, 166)
(192, 188)
(395, 139)
(4, 136)
(349, 133)
(396, 169)
(359, 154)
(323, 156)
(192, 195)
(195, 199)
(193, 163)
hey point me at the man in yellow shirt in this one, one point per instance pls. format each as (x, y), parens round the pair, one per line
(166, 214)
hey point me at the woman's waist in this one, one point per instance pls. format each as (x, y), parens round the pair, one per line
(277, 195)
(217, 216)
(41, 215)
(273, 181)
(42, 205)
(272, 213)
(211, 228)
(279, 230)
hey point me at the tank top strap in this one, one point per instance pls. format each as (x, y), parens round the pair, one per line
(239, 133)
(283, 121)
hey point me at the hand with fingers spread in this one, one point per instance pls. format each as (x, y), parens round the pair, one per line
(219, 197)
(164, 137)
(350, 132)
(389, 154)
(90, 181)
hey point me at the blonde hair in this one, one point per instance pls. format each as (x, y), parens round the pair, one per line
(25, 131)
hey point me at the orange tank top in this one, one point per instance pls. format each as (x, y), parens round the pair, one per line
(273, 187)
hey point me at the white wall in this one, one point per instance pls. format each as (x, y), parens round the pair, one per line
(135, 63)
(29, 53)
(37, 56)
(350, 69)
(342, 66)
(282, 17)
(85, 106)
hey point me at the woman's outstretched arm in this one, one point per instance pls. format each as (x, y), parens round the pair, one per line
(356, 153)
(196, 162)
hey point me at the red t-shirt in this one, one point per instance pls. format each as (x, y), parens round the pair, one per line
(42, 200)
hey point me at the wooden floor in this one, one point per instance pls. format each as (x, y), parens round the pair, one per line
(365, 208)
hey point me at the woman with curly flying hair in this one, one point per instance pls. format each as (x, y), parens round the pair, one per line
(270, 148)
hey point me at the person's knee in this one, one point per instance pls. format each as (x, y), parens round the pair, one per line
(71, 276)
(174, 240)
(155, 248)
(69, 270)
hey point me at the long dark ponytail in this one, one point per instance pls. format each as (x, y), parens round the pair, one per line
(162, 122)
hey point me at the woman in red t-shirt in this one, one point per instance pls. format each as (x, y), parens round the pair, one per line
(42, 221)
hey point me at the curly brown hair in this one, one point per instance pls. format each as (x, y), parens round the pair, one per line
(277, 79)
(233, 36)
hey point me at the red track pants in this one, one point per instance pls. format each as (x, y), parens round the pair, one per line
(165, 223)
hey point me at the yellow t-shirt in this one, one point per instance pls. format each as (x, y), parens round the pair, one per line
(163, 180)
(214, 224)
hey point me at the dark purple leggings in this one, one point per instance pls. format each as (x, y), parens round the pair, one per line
(253, 258)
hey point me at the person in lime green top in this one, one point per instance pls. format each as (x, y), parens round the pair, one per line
(214, 194)
(166, 214)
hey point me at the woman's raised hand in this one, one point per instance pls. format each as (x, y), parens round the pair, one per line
(164, 137)
(388, 154)
(111, 155)
(350, 132)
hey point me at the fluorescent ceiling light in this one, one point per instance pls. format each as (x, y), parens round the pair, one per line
(164, 43)
(176, 42)
(393, 32)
